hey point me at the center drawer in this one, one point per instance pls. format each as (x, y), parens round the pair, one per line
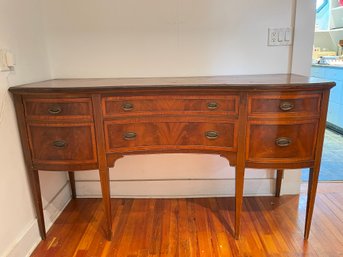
(152, 135)
(150, 105)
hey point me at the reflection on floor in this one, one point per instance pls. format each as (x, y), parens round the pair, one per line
(332, 159)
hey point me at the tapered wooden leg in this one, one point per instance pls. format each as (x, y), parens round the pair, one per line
(37, 199)
(72, 184)
(240, 164)
(279, 177)
(311, 195)
(238, 199)
(33, 175)
(106, 198)
(102, 162)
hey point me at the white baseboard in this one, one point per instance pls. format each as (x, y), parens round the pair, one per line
(30, 238)
(185, 188)
(178, 188)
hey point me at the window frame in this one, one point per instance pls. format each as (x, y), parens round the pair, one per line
(325, 2)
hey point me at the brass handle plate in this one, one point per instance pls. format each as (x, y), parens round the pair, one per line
(283, 141)
(211, 135)
(212, 105)
(130, 136)
(127, 106)
(59, 144)
(56, 109)
(286, 106)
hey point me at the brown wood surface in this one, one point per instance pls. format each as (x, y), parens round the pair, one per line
(262, 136)
(240, 164)
(200, 227)
(77, 124)
(32, 174)
(269, 105)
(314, 171)
(78, 138)
(58, 108)
(72, 184)
(241, 82)
(172, 134)
(171, 105)
(103, 167)
(278, 182)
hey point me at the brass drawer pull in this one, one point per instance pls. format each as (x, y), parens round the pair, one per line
(55, 109)
(212, 106)
(59, 144)
(127, 106)
(211, 135)
(286, 106)
(130, 136)
(283, 141)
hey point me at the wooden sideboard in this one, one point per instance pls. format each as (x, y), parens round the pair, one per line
(261, 121)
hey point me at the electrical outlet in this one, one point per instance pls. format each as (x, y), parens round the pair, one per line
(273, 37)
(280, 36)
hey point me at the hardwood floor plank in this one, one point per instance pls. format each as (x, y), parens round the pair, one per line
(68, 232)
(184, 245)
(202, 227)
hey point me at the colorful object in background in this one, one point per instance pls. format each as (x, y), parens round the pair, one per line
(340, 2)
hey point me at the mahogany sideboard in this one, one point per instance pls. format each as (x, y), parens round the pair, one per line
(256, 121)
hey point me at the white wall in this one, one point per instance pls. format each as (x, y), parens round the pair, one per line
(303, 37)
(21, 32)
(128, 38)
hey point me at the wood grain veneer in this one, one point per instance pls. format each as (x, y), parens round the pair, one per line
(178, 104)
(268, 105)
(58, 143)
(262, 121)
(301, 133)
(164, 135)
(58, 108)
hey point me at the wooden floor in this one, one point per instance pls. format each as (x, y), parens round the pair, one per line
(200, 227)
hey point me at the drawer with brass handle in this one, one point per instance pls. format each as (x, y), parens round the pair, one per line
(149, 105)
(55, 108)
(170, 134)
(269, 105)
(56, 143)
(276, 141)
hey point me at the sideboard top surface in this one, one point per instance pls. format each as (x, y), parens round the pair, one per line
(238, 82)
